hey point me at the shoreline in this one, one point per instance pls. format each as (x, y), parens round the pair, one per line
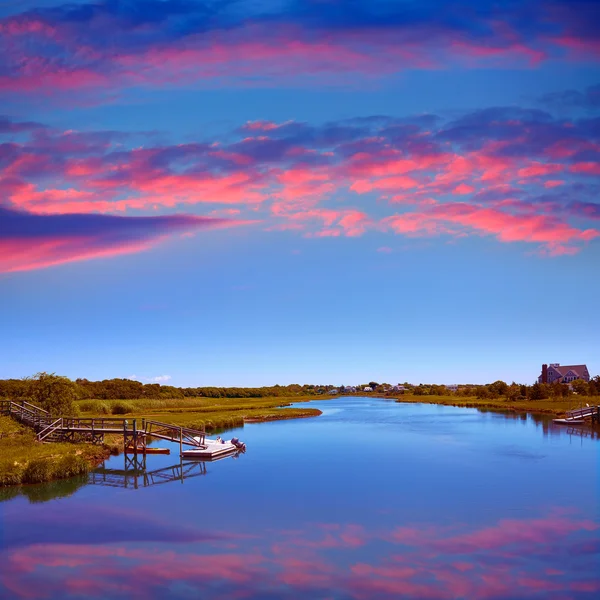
(63, 461)
(528, 407)
(66, 460)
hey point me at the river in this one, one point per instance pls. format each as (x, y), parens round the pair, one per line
(373, 499)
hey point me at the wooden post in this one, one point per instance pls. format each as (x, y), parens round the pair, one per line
(135, 441)
(181, 441)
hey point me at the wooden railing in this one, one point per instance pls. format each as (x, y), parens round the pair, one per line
(27, 413)
(581, 413)
(50, 429)
(41, 420)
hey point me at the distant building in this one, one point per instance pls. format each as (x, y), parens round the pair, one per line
(367, 389)
(399, 388)
(563, 374)
(452, 387)
(334, 391)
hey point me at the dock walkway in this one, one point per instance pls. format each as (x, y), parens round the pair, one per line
(75, 429)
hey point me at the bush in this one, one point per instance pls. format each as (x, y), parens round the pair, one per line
(38, 471)
(121, 408)
(54, 393)
(71, 465)
(95, 406)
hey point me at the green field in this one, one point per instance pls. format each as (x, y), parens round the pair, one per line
(549, 406)
(24, 460)
(212, 414)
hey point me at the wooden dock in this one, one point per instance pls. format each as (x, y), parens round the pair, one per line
(75, 429)
(579, 415)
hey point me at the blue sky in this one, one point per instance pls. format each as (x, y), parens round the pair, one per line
(407, 198)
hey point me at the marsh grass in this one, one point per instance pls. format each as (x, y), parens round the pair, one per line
(212, 414)
(24, 460)
(549, 406)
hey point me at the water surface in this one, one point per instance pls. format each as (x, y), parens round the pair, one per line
(373, 499)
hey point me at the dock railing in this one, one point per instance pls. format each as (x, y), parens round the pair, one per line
(581, 413)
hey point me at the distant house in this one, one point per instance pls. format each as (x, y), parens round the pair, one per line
(367, 389)
(350, 389)
(399, 388)
(563, 373)
(334, 391)
(452, 387)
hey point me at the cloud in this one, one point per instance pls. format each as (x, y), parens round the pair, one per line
(63, 48)
(29, 241)
(552, 555)
(329, 180)
(457, 219)
(157, 379)
(589, 99)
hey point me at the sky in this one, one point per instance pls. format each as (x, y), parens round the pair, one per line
(321, 191)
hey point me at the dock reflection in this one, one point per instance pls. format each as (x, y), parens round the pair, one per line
(135, 473)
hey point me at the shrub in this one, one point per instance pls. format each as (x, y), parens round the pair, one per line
(95, 406)
(121, 408)
(54, 393)
(71, 465)
(38, 471)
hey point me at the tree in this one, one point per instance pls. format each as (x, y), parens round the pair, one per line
(482, 393)
(498, 388)
(513, 391)
(581, 387)
(54, 393)
(539, 391)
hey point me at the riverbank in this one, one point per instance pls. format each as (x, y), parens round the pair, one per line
(211, 414)
(24, 460)
(549, 406)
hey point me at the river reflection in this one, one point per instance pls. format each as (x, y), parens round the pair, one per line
(371, 500)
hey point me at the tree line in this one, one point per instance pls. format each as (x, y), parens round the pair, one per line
(57, 394)
(129, 389)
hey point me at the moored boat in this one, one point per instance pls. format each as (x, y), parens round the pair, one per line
(147, 450)
(211, 449)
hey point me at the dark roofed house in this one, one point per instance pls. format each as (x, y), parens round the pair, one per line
(563, 373)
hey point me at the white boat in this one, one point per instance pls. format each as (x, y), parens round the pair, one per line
(211, 449)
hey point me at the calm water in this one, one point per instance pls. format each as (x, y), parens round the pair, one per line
(371, 500)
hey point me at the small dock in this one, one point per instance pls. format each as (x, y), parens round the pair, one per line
(136, 433)
(210, 452)
(578, 416)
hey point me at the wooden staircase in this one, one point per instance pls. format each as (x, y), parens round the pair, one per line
(75, 429)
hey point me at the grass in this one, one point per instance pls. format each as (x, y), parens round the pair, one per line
(24, 460)
(549, 406)
(213, 414)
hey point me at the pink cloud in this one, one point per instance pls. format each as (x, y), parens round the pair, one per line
(463, 188)
(539, 170)
(589, 168)
(553, 183)
(424, 561)
(22, 255)
(29, 241)
(552, 234)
